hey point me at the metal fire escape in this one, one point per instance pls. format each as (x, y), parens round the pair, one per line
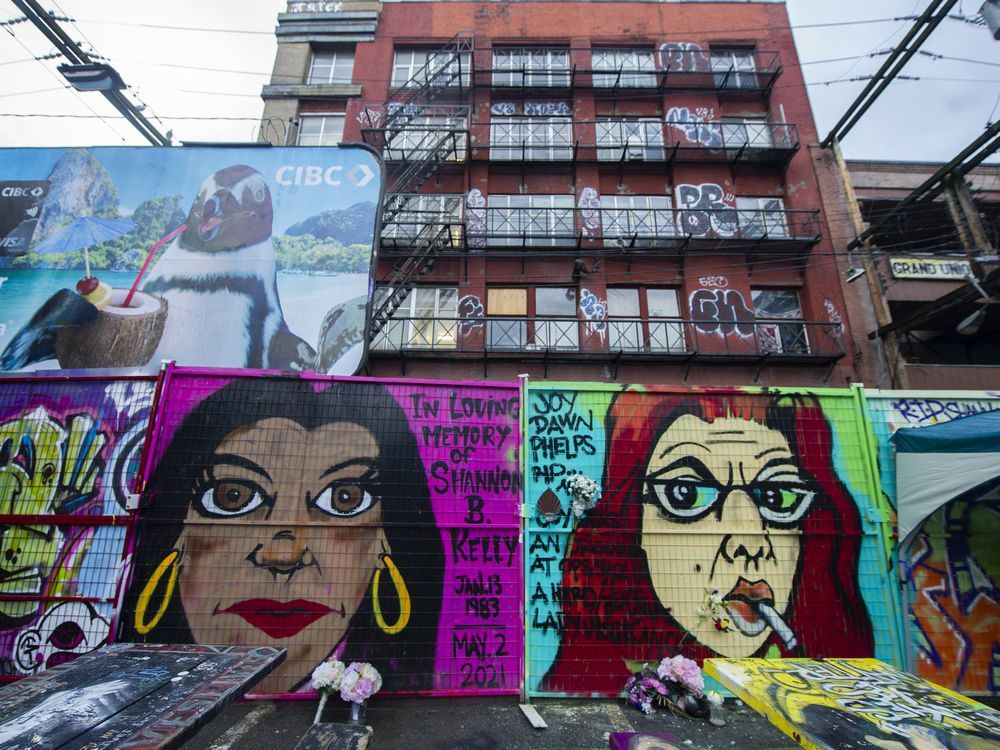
(424, 152)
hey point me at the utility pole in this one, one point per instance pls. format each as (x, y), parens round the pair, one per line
(47, 24)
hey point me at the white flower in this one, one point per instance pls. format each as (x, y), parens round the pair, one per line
(360, 682)
(714, 697)
(585, 493)
(328, 675)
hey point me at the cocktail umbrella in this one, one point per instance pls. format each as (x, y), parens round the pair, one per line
(83, 233)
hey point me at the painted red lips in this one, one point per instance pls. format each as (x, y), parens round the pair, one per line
(745, 596)
(279, 619)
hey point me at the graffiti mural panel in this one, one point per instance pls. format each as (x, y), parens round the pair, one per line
(373, 521)
(731, 523)
(69, 454)
(950, 564)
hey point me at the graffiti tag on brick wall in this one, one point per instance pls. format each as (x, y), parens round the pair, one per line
(471, 314)
(683, 57)
(590, 212)
(721, 311)
(696, 125)
(595, 312)
(475, 218)
(705, 209)
(547, 109)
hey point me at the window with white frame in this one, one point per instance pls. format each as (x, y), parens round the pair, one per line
(531, 138)
(634, 139)
(642, 319)
(427, 319)
(419, 214)
(530, 220)
(631, 217)
(735, 67)
(779, 325)
(414, 67)
(320, 130)
(530, 66)
(749, 132)
(761, 217)
(423, 137)
(629, 67)
(331, 66)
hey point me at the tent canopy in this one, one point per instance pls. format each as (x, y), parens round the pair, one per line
(936, 464)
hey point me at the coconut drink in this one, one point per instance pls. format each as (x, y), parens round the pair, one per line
(125, 333)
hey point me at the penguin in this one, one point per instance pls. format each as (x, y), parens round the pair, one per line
(219, 278)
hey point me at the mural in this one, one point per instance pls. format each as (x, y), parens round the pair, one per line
(211, 256)
(714, 506)
(69, 452)
(857, 703)
(951, 565)
(370, 521)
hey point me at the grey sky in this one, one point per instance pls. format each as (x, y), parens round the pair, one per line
(930, 119)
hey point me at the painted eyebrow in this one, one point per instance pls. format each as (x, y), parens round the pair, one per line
(370, 463)
(231, 459)
(787, 461)
(681, 445)
(779, 449)
(686, 462)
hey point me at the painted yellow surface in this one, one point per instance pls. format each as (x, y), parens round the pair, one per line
(857, 703)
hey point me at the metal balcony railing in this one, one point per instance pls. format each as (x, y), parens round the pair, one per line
(426, 143)
(667, 339)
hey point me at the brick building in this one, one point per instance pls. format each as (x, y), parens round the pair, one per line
(579, 190)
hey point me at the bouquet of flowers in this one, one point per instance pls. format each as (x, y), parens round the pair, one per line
(326, 679)
(360, 682)
(585, 493)
(675, 683)
(357, 682)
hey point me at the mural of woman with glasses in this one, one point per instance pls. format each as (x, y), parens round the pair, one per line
(294, 514)
(723, 530)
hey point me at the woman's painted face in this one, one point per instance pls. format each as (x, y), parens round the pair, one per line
(733, 490)
(281, 540)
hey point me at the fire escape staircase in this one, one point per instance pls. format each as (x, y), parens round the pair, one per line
(438, 76)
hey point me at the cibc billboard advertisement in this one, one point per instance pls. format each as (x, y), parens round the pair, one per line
(119, 258)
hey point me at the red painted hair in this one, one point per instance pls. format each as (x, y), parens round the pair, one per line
(610, 609)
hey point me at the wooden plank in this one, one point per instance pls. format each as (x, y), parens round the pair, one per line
(335, 737)
(858, 703)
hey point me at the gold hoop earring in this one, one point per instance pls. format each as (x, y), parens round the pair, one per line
(402, 595)
(167, 563)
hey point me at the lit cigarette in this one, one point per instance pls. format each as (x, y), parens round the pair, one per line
(778, 625)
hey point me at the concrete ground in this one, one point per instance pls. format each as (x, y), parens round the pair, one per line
(484, 724)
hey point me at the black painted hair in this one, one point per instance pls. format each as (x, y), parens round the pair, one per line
(405, 660)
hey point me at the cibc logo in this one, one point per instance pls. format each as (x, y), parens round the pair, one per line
(21, 192)
(311, 175)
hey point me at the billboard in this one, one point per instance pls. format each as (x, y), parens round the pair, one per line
(119, 258)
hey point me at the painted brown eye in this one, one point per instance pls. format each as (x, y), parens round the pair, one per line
(344, 499)
(230, 498)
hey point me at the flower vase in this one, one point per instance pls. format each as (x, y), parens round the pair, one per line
(323, 695)
(358, 712)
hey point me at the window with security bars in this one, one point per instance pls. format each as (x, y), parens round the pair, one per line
(735, 67)
(427, 136)
(530, 220)
(320, 130)
(333, 66)
(761, 217)
(632, 217)
(532, 319)
(427, 319)
(642, 319)
(531, 66)
(747, 132)
(531, 138)
(628, 67)
(417, 213)
(633, 139)
(779, 326)
(415, 67)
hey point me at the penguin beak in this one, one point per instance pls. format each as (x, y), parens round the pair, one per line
(211, 218)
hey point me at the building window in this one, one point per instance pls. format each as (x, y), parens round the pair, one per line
(530, 66)
(421, 215)
(425, 137)
(331, 66)
(735, 67)
(427, 319)
(644, 320)
(779, 324)
(530, 220)
(629, 68)
(761, 217)
(415, 67)
(750, 132)
(632, 139)
(320, 130)
(550, 322)
(531, 138)
(631, 217)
